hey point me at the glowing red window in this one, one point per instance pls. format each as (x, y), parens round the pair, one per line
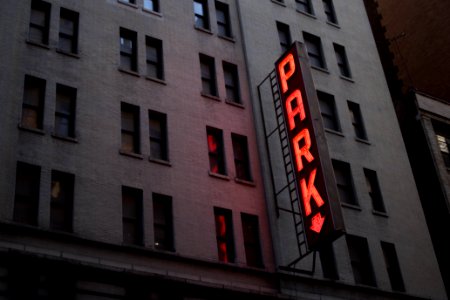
(224, 234)
(215, 150)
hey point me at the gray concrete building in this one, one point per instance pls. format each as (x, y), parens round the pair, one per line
(135, 163)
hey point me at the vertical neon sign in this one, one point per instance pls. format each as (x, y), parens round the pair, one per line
(321, 213)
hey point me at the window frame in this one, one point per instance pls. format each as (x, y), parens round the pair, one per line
(284, 36)
(330, 12)
(31, 83)
(45, 8)
(219, 155)
(162, 141)
(227, 238)
(136, 220)
(157, 44)
(135, 132)
(360, 260)
(167, 225)
(342, 61)
(393, 266)
(328, 100)
(204, 17)
(304, 6)
(254, 243)
(357, 120)
(231, 70)
(26, 205)
(374, 191)
(226, 24)
(315, 43)
(346, 185)
(155, 6)
(126, 34)
(71, 93)
(73, 17)
(241, 162)
(328, 262)
(64, 203)
(210, 79)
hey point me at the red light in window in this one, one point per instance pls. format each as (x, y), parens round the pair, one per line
(212, 143)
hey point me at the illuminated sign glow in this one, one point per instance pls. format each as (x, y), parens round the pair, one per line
(317, 190)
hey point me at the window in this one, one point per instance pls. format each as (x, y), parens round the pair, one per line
(284, 35)
(154, 58)
(304, 6)
(128, 1)
(230, 73)
(358, 249)
(132, 216)
(328, 111)
(128, 50)
(241, 159)
(68, 31)
(208, 75)
(314, 48)
(374, 190)
(224, 234)
(65, 111)
(61, 202)
(344, 182)
(152, 5)
(443, 141)
(39, 22)
(215, 150)
(393, 266)
(201, 17)
(33, 103)
(357, 122)
(328, 261)
(163, 222)
(223, 19)
(26, 199)
(329, 11)
(252, 245)
(342, 61)
(158, 135)
(130, 128)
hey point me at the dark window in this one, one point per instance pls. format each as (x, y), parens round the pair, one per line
(328, 261)
(163, 222)
(68, 31)
(39, 22)
(128, 50)
(223, 19)
(342, 61)
(241, 159)
(314, 48)
(328, 111)
(61, 203)
(215, 150)
(33, 102)
(130, 128)
(344, 182)
(230, 73)
(224, 234)
(374, 190)
(154, 58)
(284, 35)
(443, 141)
(129, 1)
(158, 135)
(132, 216)
(208, 75)
(152, 5)
(329, 11)
(26, 199)
(358, 249)
(252, 245)
(393, 266)
(65, 110)
(357, 121)
(201, 14)
(304, 6)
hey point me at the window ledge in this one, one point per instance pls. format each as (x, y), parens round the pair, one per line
(362, 141)
(349, 79)
(334, 132)
(65, 138)
(237, 104)
(29, 129)
(216, 98)
(380, 213)
(335, 25)
(220, 176)
(127, 4)
(306, 14)
(351, 206)
(131, 154)
(320, 69)
(152, 12)
(71, 54)
(227, 38)
(244, 182)
(157, 80)
(279, 3)
(160, 161)
(203, 30)
(134, 73)
(45, 46)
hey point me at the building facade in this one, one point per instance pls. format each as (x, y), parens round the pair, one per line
(136, 166)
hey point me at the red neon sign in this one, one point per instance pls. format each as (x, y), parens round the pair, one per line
(316, 188)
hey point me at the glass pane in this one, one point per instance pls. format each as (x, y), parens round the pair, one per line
(198, 8)
(229, 78)
(155, 150)
(148, 4)
(205, 70)
(206, 87)
(63, 103)
(125, 62)
(62, 126)
(65, 44)
(66, 26)
(222, 29)
(152, 53)
(38, 17)
(129, 232)
(127, 120)
(155, 128)
(126, 45)
(32, 94)
(152, 71)
(231, 94)
(221, 16)
(30, 118)
(127, 142)
(36, 34)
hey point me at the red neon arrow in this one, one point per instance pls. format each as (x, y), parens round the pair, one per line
(317, 223)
